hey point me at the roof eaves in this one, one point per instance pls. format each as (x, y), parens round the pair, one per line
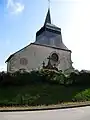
(15, 53)
(51, 47)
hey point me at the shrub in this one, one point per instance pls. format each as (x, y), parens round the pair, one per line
(45, 76)
(83, 96)
(80, 78)
(53, 77)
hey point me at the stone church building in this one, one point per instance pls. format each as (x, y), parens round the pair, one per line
(48, 47)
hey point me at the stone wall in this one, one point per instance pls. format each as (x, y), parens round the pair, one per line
(33, 56)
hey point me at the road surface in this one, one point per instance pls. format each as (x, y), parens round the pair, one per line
(82, 113)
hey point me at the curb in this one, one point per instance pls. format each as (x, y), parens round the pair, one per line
(49, 108)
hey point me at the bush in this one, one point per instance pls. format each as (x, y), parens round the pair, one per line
(80, 78)
(6, 79)
(83, 96)
(84, 78)
(45, 76)
(53, 77)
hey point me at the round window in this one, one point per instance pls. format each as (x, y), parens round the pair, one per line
(55, 57)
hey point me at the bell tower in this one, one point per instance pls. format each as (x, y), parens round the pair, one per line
(50, 34)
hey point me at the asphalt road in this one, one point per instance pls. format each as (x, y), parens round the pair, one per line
(82, 113)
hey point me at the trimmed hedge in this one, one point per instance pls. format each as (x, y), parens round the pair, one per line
(45, 76)
(34, 77)
(43, 87)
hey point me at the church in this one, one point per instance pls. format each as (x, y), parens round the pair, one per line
(47, 50)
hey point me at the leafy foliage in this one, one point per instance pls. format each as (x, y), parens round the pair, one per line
(34, 77)
(45, 76)
(43, 87)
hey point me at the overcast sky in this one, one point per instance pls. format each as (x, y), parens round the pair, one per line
(20, 19)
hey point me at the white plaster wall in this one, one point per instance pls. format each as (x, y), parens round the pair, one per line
(35, 55)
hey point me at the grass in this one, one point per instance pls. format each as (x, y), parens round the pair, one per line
(42, 94)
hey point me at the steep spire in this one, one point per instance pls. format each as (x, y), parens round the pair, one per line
(48, 17)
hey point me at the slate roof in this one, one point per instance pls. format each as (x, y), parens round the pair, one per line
(49, 26)
(48, 18)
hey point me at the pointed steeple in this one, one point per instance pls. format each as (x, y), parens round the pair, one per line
(48, 17)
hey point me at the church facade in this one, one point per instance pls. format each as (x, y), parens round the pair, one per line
(47, 46)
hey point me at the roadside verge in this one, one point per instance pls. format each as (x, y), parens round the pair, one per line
(43, 107)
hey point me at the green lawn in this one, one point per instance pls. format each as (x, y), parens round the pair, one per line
(42, 94)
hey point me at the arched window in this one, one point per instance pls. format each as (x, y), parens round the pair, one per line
(23, 61)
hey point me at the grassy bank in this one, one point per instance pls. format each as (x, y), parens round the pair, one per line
(44, 87)
(42, 94)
